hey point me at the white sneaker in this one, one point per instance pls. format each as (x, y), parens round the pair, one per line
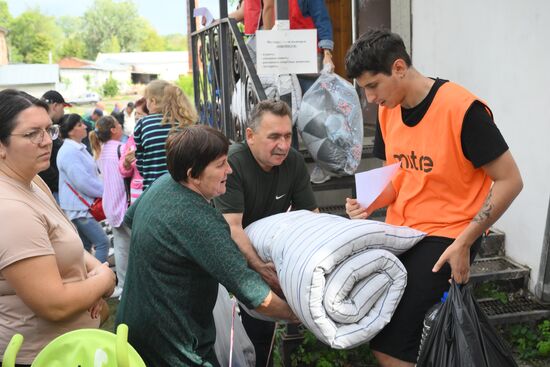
(319, 175)
(117, 292)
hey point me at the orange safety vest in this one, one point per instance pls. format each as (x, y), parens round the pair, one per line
(253, 13)
(438, 190)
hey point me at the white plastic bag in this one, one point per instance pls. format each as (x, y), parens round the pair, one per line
(243, 350)
(331, 124)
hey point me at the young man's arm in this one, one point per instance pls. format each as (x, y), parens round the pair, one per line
(507, 185)
(266, 270)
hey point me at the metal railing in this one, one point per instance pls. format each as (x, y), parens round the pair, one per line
(221, 62)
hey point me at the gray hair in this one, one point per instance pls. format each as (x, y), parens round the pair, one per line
(278, 108)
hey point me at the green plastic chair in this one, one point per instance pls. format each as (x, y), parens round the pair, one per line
(11, 350)
(89, 348)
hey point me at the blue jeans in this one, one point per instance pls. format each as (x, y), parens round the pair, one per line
(90, 232)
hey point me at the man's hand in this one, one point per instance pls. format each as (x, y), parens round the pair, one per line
(266, 270)
(354, 210)
(458, 257)
(328, 64)
(269, 275)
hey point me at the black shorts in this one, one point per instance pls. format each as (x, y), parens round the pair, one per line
(401, 337)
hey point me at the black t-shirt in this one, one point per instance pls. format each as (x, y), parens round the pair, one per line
(51, 174)
(257, 194)
(481, 139)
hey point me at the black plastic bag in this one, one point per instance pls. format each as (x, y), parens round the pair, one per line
(461, 336)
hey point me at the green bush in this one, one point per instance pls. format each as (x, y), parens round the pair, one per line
(185, 82)
(110, 87)
(531, 343)
(313, 353)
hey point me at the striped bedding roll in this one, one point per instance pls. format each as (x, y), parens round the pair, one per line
(340, 276)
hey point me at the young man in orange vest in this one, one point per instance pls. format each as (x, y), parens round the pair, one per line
(457, 177)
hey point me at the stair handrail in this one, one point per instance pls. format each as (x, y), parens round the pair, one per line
(220, 60)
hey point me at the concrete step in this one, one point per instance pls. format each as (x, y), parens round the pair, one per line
(497, 268)
(523, 308)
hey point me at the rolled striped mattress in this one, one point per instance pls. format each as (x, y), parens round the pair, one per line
(340, 276)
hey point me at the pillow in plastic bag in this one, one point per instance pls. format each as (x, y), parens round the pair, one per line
(331, 124)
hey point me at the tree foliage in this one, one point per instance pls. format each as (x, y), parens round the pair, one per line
(73, 47)
(151, 40)
(5, 15)
(107, 21)
(35, 35)
(176, 42)
(106, 26)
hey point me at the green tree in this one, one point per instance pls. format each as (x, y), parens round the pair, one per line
(106, 19)
(5, 15)
(111, 45)
(73, 44)
(151, 40)
(176, 42)
(73, 47)
(35, 35)
(70, 26)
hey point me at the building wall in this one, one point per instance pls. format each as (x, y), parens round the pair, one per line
(74, 84)
(496, 48)
(35, 90)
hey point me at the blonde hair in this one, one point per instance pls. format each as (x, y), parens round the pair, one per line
(172, 103)
(101, 133)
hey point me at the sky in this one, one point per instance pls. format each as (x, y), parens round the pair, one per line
(167, 16)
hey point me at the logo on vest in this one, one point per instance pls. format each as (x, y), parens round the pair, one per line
(412, 161)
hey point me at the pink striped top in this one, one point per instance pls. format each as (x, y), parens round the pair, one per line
(114, 194)
(136, 185)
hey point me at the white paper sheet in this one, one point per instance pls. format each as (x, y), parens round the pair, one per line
(286, 52)
(370, 184)
(204, 12)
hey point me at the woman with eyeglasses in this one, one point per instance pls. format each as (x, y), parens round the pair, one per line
(48, 284)
(79, 180)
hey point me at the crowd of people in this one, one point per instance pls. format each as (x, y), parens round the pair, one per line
(178, 197)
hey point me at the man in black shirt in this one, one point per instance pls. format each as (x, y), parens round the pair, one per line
(269, 177)
(56, 105)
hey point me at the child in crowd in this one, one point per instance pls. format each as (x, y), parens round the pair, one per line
(127, 157)
(169, 109)
(105, 141)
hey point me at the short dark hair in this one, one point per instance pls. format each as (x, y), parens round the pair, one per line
(97, 112)
(278, 108)
(193, 147)
(12, 103)
(67, 124)
(375, 52)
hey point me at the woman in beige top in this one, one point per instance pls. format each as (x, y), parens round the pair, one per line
(48, 284)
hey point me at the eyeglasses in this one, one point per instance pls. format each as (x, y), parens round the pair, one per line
(37, 136)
